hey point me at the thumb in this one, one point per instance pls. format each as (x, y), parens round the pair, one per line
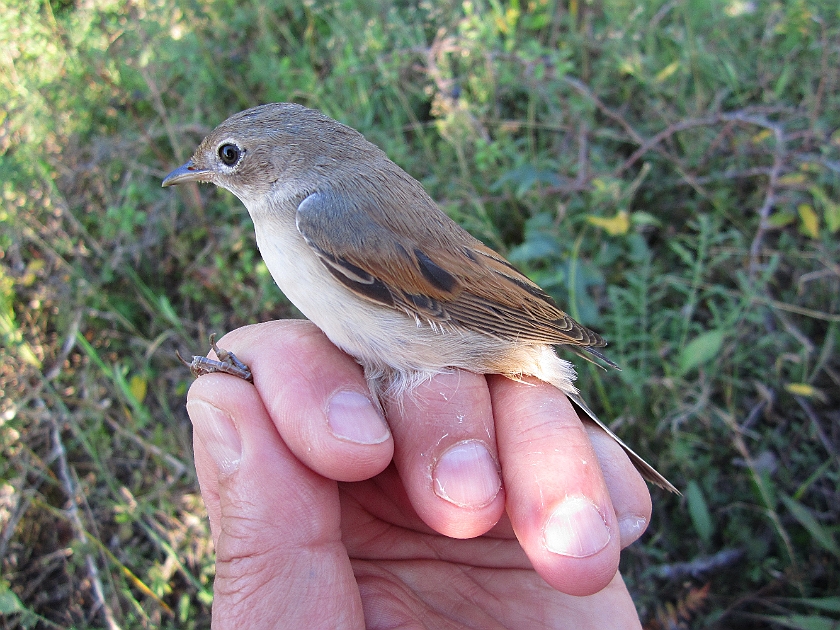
(280, 561)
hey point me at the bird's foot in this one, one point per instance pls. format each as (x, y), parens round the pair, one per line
(228, 363)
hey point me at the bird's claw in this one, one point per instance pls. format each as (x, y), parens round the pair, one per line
(227, 363)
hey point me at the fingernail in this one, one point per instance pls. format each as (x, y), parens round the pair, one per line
(353, 417)
(631, 527)
(576, 529)
(466, 475)
(217, 432)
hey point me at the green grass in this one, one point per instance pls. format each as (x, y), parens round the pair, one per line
(670, 171)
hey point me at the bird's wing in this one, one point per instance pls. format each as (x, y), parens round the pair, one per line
(405, 253)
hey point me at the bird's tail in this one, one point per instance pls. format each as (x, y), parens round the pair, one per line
(647, 471)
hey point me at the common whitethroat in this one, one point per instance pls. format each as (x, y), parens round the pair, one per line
(361, 249)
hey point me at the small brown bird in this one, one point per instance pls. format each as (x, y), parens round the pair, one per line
(361, 249)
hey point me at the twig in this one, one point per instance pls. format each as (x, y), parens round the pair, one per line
(23, 501)
(812, 416)
(663, 135)
(760, 482)
(160, 108)
(67, 347)
(608, 112)
(660, 15)
(784, 306)
(60, 455)
(770, 195)
(824, 72)
(177, 466)
(697, 567)
(794, 332)
(755, 171)
(754, 415)
(653, 143)
(582, 177)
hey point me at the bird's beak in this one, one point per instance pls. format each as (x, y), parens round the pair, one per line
(189, 172)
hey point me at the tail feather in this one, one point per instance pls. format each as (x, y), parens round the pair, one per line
(601, 356)
(584, 351)
(647, 471)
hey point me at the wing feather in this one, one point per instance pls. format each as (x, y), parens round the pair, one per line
(405, 253)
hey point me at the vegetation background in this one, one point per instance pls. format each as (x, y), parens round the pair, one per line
(669, 170)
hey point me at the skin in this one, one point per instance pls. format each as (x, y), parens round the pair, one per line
(314, 529)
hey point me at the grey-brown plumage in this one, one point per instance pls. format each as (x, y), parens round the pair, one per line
(361, 249)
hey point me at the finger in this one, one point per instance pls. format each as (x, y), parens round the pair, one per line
(557, 500)
(318, 398)
(495, 599)
(275, 522)
(445, 452)
(628, 491)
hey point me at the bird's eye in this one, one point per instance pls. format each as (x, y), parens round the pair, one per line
(229, 154)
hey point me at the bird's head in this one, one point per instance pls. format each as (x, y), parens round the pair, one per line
(271, 147)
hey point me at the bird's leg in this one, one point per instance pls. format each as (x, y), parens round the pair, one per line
(228, 363)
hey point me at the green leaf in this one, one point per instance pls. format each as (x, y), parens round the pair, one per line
(810, 221)
(537, 247)
(832, 217)
(830, 604)
(831, 209)
(525, 177)
(137, 386)
(686, 256)
(645, 218)
(615, 225)
(9, 331)
(698, 509)
(667, 71)
(803, 622)
(781, 219)
(700, 350)
(818, 531)
(9, 602)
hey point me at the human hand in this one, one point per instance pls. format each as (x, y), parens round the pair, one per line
(384, 547)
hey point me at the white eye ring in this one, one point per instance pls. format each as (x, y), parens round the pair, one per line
(230, 154)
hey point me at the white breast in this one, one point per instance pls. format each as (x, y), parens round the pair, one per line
(390, 344)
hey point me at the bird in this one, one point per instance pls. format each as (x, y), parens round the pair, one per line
(362, 250)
